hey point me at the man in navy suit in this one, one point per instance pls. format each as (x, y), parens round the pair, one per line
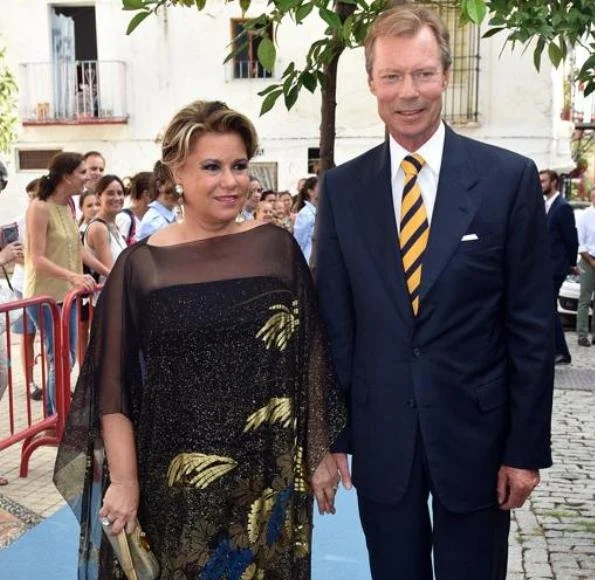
(563, 244)
(432, 269)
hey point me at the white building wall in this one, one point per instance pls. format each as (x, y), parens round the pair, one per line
(177, 57)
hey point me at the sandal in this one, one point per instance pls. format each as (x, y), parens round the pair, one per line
(3, 481)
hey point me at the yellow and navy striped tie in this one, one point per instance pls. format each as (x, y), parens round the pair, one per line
(414, 230)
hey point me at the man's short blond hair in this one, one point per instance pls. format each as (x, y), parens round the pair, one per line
(408, 20)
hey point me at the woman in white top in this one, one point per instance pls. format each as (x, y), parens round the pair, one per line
(102, 236)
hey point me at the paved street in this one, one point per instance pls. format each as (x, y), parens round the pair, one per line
(552, 537)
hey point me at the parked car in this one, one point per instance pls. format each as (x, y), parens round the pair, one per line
(568, 296)
(570, 289)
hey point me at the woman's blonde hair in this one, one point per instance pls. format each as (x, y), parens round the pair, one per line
(197, 119)
(408, 20)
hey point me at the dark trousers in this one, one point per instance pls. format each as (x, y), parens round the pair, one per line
(561, 346)
(400, 538)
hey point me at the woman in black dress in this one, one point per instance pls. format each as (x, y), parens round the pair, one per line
(207, 382)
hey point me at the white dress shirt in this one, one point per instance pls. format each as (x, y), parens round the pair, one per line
(586, 231)
(431, 151)
(548, 202)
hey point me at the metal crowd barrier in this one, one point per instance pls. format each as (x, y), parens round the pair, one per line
(46, 430)
(41, 430)
(74, 299)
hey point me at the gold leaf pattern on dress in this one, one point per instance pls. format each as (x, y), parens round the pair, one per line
(280, 327)
(277, 410)
(303, 535)
(259, 514)
(252, 572)
(197, 469)
(300, 483)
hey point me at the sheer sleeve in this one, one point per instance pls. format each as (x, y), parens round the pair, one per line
(321, 404)
(107, 377)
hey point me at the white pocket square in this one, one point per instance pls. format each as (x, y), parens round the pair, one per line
(469, 238)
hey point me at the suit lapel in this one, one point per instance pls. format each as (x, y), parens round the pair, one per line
(456, 203)
(374, 212)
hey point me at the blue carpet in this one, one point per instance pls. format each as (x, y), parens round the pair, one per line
(49, 550)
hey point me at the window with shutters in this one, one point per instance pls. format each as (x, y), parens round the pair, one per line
(461, 96)
(245, 45)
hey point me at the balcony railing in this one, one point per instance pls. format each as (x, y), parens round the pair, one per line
(73, 92)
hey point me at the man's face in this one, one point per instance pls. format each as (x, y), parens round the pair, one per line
(547, 185)
(95, 169)
(407, 80)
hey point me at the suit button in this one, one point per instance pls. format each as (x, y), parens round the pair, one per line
(411, 403)
(416, 352)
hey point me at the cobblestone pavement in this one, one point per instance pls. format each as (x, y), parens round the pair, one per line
(552, 536)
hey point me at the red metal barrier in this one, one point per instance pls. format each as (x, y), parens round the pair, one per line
(48, 430)
(74, 299)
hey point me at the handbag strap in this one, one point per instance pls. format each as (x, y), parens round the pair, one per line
(7, 279)
(127, 564)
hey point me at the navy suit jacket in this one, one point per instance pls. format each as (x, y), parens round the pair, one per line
(474, 371)
(563, 237)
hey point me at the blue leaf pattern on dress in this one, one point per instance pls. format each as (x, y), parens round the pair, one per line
(277, 519)
(226, 562)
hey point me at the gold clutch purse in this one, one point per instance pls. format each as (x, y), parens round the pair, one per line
(133, 553)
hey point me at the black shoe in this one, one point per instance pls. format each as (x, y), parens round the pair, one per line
(35, 393)
(584, 341)
(562, 360)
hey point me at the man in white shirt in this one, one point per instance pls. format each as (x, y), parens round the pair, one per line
(586, 240)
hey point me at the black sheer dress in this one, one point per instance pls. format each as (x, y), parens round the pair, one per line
(215, 351)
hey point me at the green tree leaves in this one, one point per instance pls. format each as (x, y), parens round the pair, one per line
(8, 118)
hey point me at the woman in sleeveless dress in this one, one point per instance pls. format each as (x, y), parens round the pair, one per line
(53, 253)
(102, 237)
(207, 383)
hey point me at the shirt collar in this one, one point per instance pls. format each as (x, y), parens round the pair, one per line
(431, 151)
(550, 201)
(168, 214)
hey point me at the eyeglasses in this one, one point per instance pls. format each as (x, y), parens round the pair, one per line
(418, 77)
(256, 190)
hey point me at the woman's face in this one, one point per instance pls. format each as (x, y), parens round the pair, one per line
(279, 210)
(215, 178)
(90, 208)
(265, 212)
(77, 180)
(287, 202)
(111, 199)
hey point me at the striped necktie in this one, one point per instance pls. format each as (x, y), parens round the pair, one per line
(414, 229)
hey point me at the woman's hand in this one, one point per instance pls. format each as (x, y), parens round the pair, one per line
(325, 482)
(84, 281)
(120, 506)
(11, 252)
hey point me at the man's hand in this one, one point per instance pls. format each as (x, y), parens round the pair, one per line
(515, 485)
(343, 467)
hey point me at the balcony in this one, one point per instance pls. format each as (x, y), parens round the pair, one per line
(89, 92)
